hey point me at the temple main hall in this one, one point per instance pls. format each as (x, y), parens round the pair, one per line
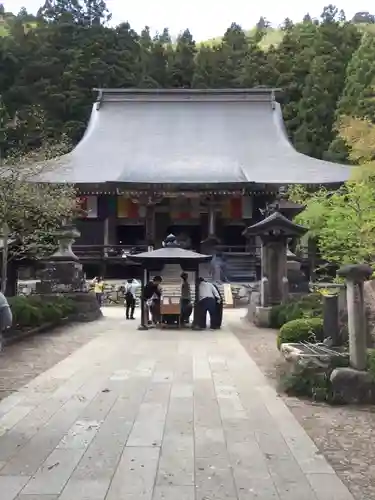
(201, 164)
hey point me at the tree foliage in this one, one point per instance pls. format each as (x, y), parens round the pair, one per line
(30, 207)
(342, 221)
(49, 64)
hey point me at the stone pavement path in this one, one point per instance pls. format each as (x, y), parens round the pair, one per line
(173, 415)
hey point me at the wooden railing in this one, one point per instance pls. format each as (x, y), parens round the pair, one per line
(107, 251)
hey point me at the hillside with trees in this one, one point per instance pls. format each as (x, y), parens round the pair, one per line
(50, 63)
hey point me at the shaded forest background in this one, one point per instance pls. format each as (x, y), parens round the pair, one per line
(50, 63)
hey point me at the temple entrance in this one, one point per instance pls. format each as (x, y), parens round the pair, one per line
(191, 234)
(232, 235)
(130, 235)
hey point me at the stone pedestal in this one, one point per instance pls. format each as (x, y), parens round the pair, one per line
(261, 317)
(274, 279)
(355, 275)
(298, 282)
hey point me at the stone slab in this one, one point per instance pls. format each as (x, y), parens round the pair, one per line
(10, 486)
(85, 490)
(135, 475)
(38, 497)
(51, 478)
(174, 493)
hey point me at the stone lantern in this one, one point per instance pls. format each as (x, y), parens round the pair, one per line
(274, 232)
(63, 272)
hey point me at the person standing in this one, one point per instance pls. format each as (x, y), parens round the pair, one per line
(152, 298)
(208, 297)
(218, 315)
(185, 304)
(131, 288)
(6, 317)
(99, 290)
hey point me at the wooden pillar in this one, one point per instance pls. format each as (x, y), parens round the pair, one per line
(211, 219)
(150, 224)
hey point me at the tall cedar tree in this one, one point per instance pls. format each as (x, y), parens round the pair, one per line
(358, 96)
(182, 62)
(333, 47)
(49, 65)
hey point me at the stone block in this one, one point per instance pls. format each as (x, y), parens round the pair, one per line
(262, 317)
(87, 306)
(51, 478)
(102, 457)
(214, 479)
(135, 475)
(80, 435)
(85, 490)
(37, 497)
(329, 487)
(149, 426)
(176, 468)
(174, 493)
(352, 386)
(10, 486)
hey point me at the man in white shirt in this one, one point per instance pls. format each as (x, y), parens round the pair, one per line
(130, 297)
(208, 297)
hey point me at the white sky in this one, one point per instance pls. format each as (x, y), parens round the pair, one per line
(205, 18)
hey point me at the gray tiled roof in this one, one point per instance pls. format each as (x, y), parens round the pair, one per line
(190, 137)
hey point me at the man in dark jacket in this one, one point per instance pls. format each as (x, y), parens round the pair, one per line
(152, 298)
(218, 312)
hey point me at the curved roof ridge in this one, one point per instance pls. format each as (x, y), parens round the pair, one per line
(220, 136)
(281, 129)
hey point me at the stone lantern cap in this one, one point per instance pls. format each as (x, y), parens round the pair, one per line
(65, 236)
(275, 225)
(356, 272)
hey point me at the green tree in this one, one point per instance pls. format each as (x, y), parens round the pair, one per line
(85, 12)
(30, 209)
(262, 24)
(256, 68)
(357, 97)
(332, 47)
(291, 61)
(231, 56)
(342, 221)
(182, 61)
(206, 67)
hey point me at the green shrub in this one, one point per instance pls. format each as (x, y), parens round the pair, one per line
(35, 310)
(283, 313)
(305, 381)
(310, 379)
(67, 305)
(307, 306)
(300, 330)
(25, 313)
(51, 313)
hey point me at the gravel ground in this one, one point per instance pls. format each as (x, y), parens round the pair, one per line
(25, 360)
(343, 434)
